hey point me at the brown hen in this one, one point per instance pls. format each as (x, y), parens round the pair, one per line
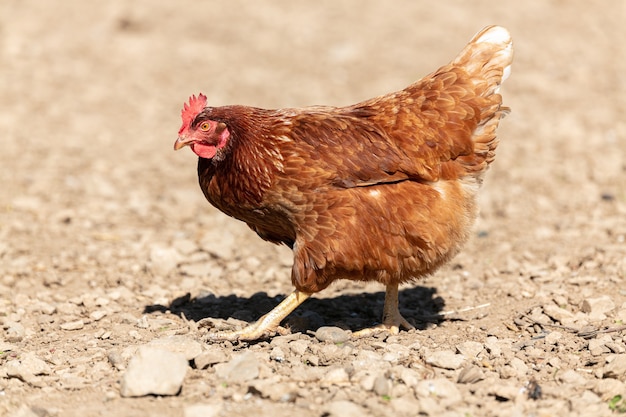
(383, 190)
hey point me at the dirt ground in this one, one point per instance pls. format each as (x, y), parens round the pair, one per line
(107, 244)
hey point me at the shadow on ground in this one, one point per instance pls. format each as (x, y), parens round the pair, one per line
(419, 305)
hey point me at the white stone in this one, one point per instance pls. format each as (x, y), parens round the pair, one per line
(154, 371)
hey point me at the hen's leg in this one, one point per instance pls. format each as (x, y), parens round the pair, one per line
(268, 323)
(392, 319)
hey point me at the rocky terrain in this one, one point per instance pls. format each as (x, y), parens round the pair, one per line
(113, 267)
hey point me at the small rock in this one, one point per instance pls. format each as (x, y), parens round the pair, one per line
(367, 359)
(470, 375)
(445, 359)
(493, 346)
(552, 338)
(154, 371)
(163, 260)
(210, 357)
(616, 368)
(329, 353)
(332, 334)
(396, 352)
(275, 391)
(367, 382)
(608, 388)
(559, 314)
(34, 365)
(97, 315)
(598, 306)
(277, 354)
(470, 349)
(382, 386)
(443, 389)
(343, 408)
(14, 369)
(598, 346)
(15, 332)
(336, 376)
(570, 376)
(189, 347)
(509, 392)
(520, 367)
(73, 325)
(299, 347)
(241, 368)
(409, 376)
(202, 410)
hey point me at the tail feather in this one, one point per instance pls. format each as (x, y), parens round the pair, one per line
(487, 58)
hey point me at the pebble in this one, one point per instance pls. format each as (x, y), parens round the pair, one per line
(154, 371)
(559, 314)
(444, 390)
(277, 354)
(163, 260)
(470, 375)
(274, 390)
(299, 347)
(332, 334)
(202, 410)
(409, 376)
(570, 376)
(189, 347)
(343, 408)
(241, 368)
(15, 332)
(520, 367)
(73, 325)
(598, 346)
(27, 368)
(599, 305)
(552, 338)
(382, 386)
(616, 367)
(445, 359)
(607, 388)
(509, 392)
(210, 357)
(97, 315)
(336, 376)
(470, 349)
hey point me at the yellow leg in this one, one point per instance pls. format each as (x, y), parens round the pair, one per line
(267, 324)
(392, 319)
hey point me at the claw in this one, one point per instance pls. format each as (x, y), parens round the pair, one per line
(392, 319)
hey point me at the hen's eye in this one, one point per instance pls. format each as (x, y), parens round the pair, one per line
(205, 126)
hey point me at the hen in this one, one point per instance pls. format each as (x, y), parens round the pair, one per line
(383, 190)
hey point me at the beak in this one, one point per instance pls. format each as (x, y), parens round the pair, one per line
(181, 142)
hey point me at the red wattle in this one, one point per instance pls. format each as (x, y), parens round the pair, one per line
(204, 151)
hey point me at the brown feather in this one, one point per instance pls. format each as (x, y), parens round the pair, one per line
(382, 190)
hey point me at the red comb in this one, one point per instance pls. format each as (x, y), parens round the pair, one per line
(191, 110)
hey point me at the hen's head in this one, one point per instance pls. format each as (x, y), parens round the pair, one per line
(203, 135)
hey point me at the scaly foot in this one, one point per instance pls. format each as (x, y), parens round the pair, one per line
(266, 325)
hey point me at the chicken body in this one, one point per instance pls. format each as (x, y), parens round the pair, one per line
(383, 190)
